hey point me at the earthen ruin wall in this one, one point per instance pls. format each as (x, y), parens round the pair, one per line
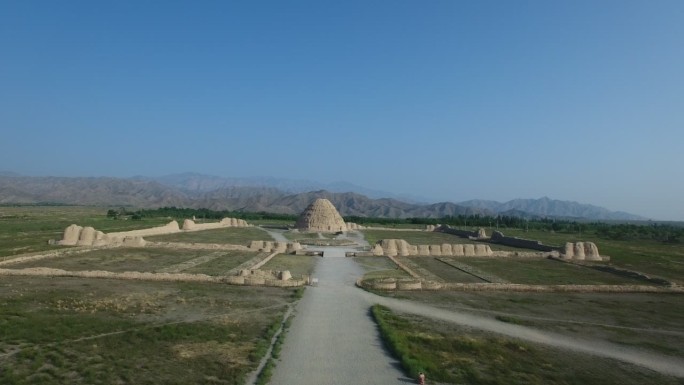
(457, 232)
(196, 246)
(169, 228)
(144, 276)
(500, 238)
(394, 247)
(393, 284)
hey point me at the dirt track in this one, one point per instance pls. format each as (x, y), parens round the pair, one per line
(333, 339)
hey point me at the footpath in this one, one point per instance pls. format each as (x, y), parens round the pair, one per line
(333, 339)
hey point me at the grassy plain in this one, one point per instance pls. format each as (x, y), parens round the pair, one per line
(299, 236)
(28, 229)
(100, 331)
(412, 237)
(454, 354)
(140, 259)
(380, 267)
(665, 260)
(425, 238)
(271, 222)
(231, 235)
(545, 272)
(444, 271)
(90, 331)
(647, 321)
(226, 261)
(658, 259)
(298, 265)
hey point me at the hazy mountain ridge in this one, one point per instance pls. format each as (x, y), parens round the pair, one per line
(547, 207)
(88, 191)
(203, 191)
(194, 183)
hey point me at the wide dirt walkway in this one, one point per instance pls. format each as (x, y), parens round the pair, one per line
(333, 339)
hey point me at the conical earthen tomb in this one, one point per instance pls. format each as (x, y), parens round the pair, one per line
(321, 216)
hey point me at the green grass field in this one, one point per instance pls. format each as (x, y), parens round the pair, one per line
(413, 237)
(426, 238)
(226, 261)
(82, 331)
(230, 235)
(444, 271)
(28, 229)
(453, 354)
(380, 267)
(298, 265)
(646, 321)
(139, 259)
(88, 331)
(545, 272)
(650, 257)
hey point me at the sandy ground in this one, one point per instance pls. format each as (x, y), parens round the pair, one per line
(333, 339)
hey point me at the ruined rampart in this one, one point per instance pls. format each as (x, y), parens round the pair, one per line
(394, 247)
(457, 232)
(190, 225)
(269, 279)
(388, 284)
(75, 235)
(500, 238)
(275, 247)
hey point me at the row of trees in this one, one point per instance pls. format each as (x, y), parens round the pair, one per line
(177, 212)
(653, 231)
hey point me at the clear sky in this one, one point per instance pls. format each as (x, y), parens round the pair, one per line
(450, 100)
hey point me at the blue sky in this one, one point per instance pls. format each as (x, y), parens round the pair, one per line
(450, 100)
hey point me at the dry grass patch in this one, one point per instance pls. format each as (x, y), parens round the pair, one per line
(27, 229)
(545, 272)
(118, 259)
(453, 354)
(380, 267)
(229, 235)
(647, 321)
(76, 331)
(298, 265)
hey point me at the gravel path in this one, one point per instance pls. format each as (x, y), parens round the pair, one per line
(333, 339)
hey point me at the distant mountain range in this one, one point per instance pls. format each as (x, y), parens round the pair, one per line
(194, 183)
(269, 194)
(546, 207)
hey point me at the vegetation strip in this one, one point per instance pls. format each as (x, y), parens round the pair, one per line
(146, 327)
(144, 276)
(21, 258)
(619, 272)
(455, 354)
(475, 272)
(177, 268)
(264, 371)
